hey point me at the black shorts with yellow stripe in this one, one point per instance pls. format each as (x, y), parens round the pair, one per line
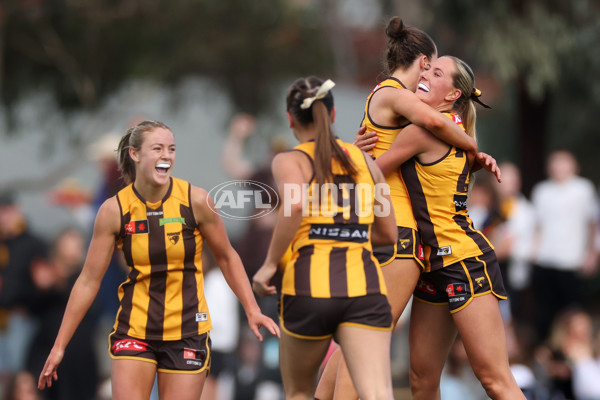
(189, 355)
(458, 283)
(315, 318)
(408, 246)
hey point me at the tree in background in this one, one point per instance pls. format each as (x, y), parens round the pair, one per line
(83, 50)
(544, 57)
(537, 60)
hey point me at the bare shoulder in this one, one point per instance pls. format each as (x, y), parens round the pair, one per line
(198, 195)
(392, 94)
(109, 216)
(201, 203)
(288, 157)
(290, 164)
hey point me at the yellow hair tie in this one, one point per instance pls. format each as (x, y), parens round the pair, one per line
(475, 97)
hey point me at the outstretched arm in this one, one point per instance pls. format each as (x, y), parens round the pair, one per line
(213, 230)
(86, 287)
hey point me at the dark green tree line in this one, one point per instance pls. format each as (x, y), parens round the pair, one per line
(545, 56)
(83, 50)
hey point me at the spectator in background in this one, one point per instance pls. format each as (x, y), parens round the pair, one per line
(54, 279)
(583, 354)
(513, 240)
(484, 204)
(18, 249)
(521, 350)
(566, 210)
(566, 336)
(249, 367)
(21, 386)
(254, 243)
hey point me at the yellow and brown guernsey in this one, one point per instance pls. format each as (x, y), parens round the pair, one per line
(385, 138)
(163, 296)
(331, 252)
(438, 193)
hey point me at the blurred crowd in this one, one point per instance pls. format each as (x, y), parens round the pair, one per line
(547, 243)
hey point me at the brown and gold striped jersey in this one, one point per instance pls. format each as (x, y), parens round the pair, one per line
(438, 193)
(331, 252)
(385, 138)
(163, 296)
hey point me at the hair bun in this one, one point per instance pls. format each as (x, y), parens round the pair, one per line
(396, 29)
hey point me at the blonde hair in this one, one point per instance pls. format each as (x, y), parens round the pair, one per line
(464, 80)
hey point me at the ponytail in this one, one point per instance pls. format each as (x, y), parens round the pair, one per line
(308, 104)
(405, 44)
(126, 165)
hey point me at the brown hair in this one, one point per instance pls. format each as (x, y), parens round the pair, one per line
(405, 44)
(464, 80)
(318, 113)
(134, 139)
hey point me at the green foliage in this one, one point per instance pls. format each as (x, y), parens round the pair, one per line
(83, 50)
(539, 52)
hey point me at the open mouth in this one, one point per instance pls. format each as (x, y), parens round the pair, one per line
(423, 87)
(163, 168)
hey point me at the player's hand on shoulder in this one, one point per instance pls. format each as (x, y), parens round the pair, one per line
(365, 141)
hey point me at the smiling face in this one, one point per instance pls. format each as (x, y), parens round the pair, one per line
(436, 85)
(155, 158)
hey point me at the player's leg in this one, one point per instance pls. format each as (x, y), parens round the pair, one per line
(326, 385)
(299, 361)
(431, 334)
(181, 385)
(401, 276)
(482, 331)
(367, 354)
(210, 390)
(132, 379)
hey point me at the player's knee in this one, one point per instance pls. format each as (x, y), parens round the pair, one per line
(297, 394)
(495, 383)
(378, 395)
(423, 381)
